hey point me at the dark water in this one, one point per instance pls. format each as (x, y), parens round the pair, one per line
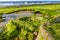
(12, 3)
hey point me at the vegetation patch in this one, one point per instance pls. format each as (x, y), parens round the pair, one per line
(27, 28)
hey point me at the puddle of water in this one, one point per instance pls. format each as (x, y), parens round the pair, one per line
(7, 17)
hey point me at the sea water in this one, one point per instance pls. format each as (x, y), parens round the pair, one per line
(15, 3)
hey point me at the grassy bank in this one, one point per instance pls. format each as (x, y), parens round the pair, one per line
(32, 7)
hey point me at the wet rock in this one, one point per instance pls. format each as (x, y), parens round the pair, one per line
(56, 20)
